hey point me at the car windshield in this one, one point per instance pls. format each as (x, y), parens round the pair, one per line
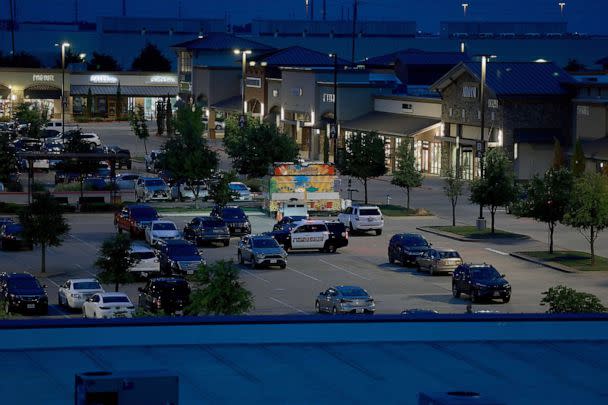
(183, 250)
(449, 255)
(13, 229)
(238, 186)
(174, 287)
(115, 299)
(415, 240)
(164, 226)
(369, 211)
(143, 255)
(155, 183)
(484, 273)
(87, 285)
(144, 213)
(264, 243)
(233, 213)
(353, 292)
(24, 283)
(213, 224)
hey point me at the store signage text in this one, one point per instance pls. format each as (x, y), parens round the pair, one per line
(40, 77)
(105, 79)
(162, 79)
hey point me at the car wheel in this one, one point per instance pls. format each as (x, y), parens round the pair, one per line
(94, 315)
(334, 311)
(350, 227)
(455, 291)
(474, 296)
(119, 229)
(506, 299)
(59, 300)
(431, 270)
(7, 308)
(390, 259)
(241, 260)
(227, 242)
(1, 245)
(317, 307)
(418, 267)
(283, 265)
(378, 232)
(253, 264)
(331, 248)
(286, 247)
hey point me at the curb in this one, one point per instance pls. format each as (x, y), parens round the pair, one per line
(563, 269)
(447, 234)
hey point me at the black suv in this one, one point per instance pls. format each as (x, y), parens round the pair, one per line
(406, 247)
(123, 156)
(179, 256)
(338, 234)
(165, 294)
(234, 217)
(207, 229)
(480, 281)
(21, 292)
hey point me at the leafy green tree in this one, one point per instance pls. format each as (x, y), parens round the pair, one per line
(219, 191)
(363, 158)
(20, 59)
(44, 224)
(186, 154)
(81, 166)
(588, 209)
(115, 260)
(220, 292)
(71, 56)
(577, 163)
(453, 187)
(160, 117)
(151, 59)
(562, 299)
(139, 125)
(497, 187)
(558, 155)
(548, 199)
(169, 117)
(254, 148)
(8, 159)
(574, 66)
(406, 175)
(33, 116)
(103, 63)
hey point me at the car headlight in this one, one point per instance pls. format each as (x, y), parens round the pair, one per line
(480, 285)
(173, 263)
(260, 256)
(12, 296)
(507, 285)
(76, 296)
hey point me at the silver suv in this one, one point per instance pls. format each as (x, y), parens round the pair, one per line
(363, 218)
(151, 188)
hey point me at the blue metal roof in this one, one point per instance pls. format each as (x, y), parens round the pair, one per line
(298, 56)
(523, 78)
(418, 57)
(216, 41)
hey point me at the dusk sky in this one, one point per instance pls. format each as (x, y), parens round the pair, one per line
(582, 15)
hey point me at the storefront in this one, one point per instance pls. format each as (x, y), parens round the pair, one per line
(41, 87)
(113, 94)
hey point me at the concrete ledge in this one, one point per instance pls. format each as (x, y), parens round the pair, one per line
(447, 234)
(554, 266)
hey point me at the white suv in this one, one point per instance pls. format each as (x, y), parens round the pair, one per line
(362, 218)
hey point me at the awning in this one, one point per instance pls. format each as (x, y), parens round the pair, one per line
(390, 124)
(42, 92)
(536, 135)
(4, 91)
(232, 104)
(128, 91)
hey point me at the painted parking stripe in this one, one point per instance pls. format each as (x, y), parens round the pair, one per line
(83, 241)
(345, 270)
(497, 251)
(255, 275)
(287, 305)
(303, 274)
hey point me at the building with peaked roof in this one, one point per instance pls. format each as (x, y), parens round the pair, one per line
(527, 106)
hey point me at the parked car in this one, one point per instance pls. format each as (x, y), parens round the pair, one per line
(406, 247)
(288, 220)
(282, 232)
(151, 188)
(94, 184)
(362, 218)
(161, 230)
(134, 219)
(261, 250)
(438, 261)
(21, 292)
(11, 237)
(179, 256)
(234, 217)
(66, 177)
(6, 221)
(183, 191)
(207, 229)
(338, 234)
(123, 156)
(169, 295)
(126, 181)
(480, 281)
(344, 299)
(241, 191)
(108, 305)
(148, 260)
(74, 292)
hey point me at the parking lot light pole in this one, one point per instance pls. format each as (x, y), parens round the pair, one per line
(335, 136)
(244, 54)
(63, 46)
(484, 61)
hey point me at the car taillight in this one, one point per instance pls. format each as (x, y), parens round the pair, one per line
(345, 234)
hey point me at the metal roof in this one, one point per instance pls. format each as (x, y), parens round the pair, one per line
(390, 124)
(216, 41)
(413, 56)
(129, 91)
(298, 56)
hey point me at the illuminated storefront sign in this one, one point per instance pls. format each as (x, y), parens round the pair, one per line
(162, 79)
(41, 77)
(103, 79)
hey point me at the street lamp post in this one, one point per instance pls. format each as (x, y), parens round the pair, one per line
(335, 123)
(63, 103)
(465, 6)
(244, 54)
(561, 5)
(481, 150)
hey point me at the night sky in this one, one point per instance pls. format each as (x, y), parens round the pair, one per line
(586, 16)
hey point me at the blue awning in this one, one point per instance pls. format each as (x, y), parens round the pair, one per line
(128, 91)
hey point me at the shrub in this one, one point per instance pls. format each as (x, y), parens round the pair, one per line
(254, 184)
(562, 299)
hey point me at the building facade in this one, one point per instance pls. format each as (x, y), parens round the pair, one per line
(41, 87)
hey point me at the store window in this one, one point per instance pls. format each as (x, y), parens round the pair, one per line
(185, 62)
(436, 158)
(467, 163)
(102, 105)
(78, 105)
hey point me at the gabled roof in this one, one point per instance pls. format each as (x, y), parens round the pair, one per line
(507, 79)
(218, 41)
(413, 56)
(297, 56)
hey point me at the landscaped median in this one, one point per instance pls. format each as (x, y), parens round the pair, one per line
(391, 210)
(470, 233)
(565, 260)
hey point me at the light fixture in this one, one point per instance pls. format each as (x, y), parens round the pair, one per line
(82, 55)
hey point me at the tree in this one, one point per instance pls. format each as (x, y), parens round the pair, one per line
(33, 116)
(558, 155)
(151, 59)
(574, 66)
(497, 187)
(103, 63)
(115, 260)
(588, 209)
(406, 175)
(160, 117)
(89, 103)
(186, 154)
(70, 56)
(220, 292)
(20, 59)
(548, 199)
(363, 158)
(8, 160)
(453, 188)
(118, 102)
(219, 191)
(577, 163)
(254, 148)
(562, 299)
(169, 117)
(139, 125)
(81, 166)
(44, 224)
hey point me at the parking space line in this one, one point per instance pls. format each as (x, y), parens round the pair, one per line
(255, 276)
(287, 305)
(52, 282)
(345, 270)
(83, 241)
(56, 308)
(304, 274)
(497, 251)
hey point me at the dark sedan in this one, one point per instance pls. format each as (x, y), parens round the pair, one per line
(207, 229)
(480, 281)
(11, 237)
(169, 295)
(406, 248)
